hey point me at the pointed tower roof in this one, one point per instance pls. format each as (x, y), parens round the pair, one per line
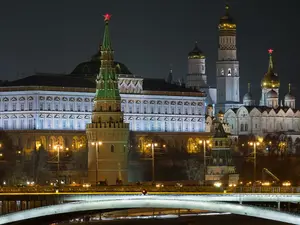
(196, 53)
(107, 80)
(106, 42)
(270, 79)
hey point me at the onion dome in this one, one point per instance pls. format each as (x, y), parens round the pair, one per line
(270, 79)
(226, 21)
(272, 94)
(289, 96)
(248, 96)
(196, 53)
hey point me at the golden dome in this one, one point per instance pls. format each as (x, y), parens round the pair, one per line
(270, 79)
(226, 21)
(196, 53)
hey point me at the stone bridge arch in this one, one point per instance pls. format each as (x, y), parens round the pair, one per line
(153, 202)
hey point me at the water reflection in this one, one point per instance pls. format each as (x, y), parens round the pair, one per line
(227, 219)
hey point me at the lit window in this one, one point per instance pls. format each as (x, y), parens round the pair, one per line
(229, 72)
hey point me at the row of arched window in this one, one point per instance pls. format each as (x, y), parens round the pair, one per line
(244, 127)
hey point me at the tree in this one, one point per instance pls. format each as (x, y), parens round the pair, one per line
(194, 170)
(7, 156)
(17, 175)
(40, 168)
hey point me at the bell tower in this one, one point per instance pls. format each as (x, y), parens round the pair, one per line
(107, 134)
(228, 94)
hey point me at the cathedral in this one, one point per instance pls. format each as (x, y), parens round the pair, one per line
(270, 115)
(259, 118)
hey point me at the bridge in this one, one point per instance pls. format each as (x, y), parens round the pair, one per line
(18, 204)
(150, 201)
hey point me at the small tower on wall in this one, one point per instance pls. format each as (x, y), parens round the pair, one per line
(228, 90)
(220, 165)
(107, 134)
(196, 77)
(289, 99)
(270, 84)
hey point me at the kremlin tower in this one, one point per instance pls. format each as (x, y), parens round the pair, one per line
(107, 134)
(196, 77)
(228, 95)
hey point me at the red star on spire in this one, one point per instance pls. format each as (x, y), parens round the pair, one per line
(107, 17)
(270, 51)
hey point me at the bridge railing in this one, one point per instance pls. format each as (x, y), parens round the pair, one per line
(267, 189)
(110, 189)
(186, 189)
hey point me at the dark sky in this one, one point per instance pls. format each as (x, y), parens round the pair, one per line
(148, 36)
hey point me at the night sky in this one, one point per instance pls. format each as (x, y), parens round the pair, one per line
(54, 36)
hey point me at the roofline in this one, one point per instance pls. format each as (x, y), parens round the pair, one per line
(46, 88)
(92, 90)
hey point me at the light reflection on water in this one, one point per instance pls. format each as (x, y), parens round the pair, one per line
(228, 219)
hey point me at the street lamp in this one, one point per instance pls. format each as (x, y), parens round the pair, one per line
(254, 144)
(97, 144)
(204, 142)
(152, 153)
(58, 147)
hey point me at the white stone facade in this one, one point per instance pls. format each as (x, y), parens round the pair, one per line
(262, 120)
(58, 108)
(196, 77)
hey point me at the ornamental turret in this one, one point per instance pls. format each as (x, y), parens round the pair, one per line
(196, 77)
(227, 64)
(107, 134)
(248, 98)
(269, 84)
(289, 99)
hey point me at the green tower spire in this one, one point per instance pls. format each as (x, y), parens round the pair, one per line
(106, 44)
(107, 80)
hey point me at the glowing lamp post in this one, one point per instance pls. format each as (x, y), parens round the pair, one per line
(254, 144)
(97, 144)
(152, 145)
(204, 142)
(58, 148)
